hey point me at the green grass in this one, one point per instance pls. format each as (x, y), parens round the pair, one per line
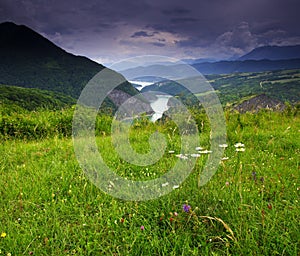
(249, 207)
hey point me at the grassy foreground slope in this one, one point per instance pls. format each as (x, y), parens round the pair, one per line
(250, 206)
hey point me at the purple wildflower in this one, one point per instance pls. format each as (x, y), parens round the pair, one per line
(186, 207)
(142, 227)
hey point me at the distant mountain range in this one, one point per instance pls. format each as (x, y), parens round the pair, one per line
(260, 53)
(265, 58)
(217, 68)
(32, 61)
(273, 53)
(238, 66)
(201, 60)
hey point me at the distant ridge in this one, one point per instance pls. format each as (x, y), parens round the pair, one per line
(273, 53)
(221, 67)
(228, 67)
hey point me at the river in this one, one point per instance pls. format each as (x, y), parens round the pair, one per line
(160, 105)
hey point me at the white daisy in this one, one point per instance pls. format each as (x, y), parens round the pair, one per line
(165, 184)
(239, 145)
(223, 145)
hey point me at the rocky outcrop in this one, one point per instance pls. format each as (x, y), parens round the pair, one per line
(260, 102)
(128, 105)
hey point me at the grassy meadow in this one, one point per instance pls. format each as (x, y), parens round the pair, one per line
(249, 207)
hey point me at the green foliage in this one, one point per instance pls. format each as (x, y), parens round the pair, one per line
(250, 206)
(19, 123)
(33, 99)
(36, 124)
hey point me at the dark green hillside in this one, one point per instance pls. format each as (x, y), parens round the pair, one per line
(32, 61)
(33, 99)
(282, 85)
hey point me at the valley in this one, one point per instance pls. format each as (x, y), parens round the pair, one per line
(246, 204)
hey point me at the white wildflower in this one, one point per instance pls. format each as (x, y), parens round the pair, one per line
(239, 145)
(205, 152)
(223, 145)
(181, 156)
(165, 184)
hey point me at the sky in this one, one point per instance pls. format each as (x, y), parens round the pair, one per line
(112, 30)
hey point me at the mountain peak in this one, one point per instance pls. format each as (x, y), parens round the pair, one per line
(30, 60)
(20, 38)
(7, 24)
(273, 52)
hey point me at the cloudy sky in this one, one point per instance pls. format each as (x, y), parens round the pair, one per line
(111, 30)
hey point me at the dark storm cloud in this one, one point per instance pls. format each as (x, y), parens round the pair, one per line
(124, 28)
(183, 20)
(161, 27)
(193, 42)
(158, 44)
(175, 11)
(143, 34)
